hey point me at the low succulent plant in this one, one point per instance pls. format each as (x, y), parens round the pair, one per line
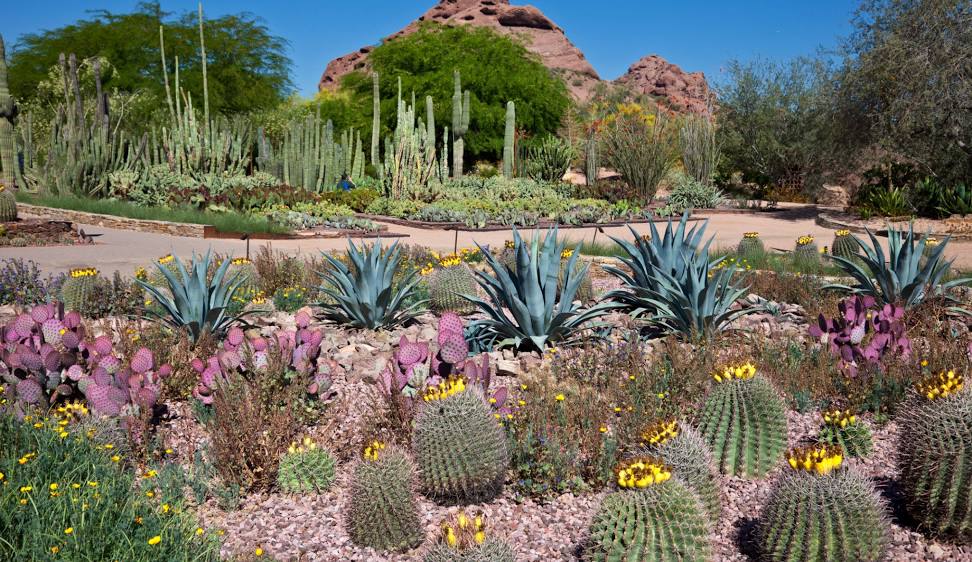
(364, 295)
(627, 524)
(841, 427)
(680, 447)
(195, 301)
(78, 289)
(39, 348)
(934, 449)
(382, 510)
(750, 246)
(460, 449)
(821, 511)
(305, 468)
(744, 422)
(861, 334)
(465, 538)
(906, 276)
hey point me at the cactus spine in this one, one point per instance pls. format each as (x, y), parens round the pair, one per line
(689, 457)
(8, 152)
(934, 449)
(460, 123)
(665, 521)
(446, 287)
(305, 468)
(509, 139)
(744, 422)
(460, 449)
(834, 517)
(845, 245)
(382, 511)
(751, 246)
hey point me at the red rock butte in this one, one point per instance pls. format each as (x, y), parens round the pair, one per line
(651, 75)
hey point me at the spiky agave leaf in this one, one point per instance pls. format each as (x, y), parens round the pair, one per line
(367, 297)
(194, 302)
(524, 307)
(901, 277)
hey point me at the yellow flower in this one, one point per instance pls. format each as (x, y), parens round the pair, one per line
(199, 531)
(258, 551)
(842, 232)
(115, 458)
(53, 487)
(941, 385)
(69, 530)
(372, 450)
(660, 432)
(839, 418)
(805, 240)
(165, 508)
(730, 372)
(155, 540)
(55, 549)
(567, 253)
(924, 362)
(820, 459)
(84, 272)
(449, 387)
(165, 259)
(641, 472)
(751, 235)
(560, 397)
(602, 429)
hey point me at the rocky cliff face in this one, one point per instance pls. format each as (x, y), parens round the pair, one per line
(655, 76)
(550, 43)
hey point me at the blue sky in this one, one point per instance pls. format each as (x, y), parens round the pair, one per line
(698, 36)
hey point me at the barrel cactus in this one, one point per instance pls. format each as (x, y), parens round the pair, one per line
(934, 449)
(683, 449)
(585, 291)
(820, 511)
(79, 288)
(460, 449)
(654, 517)
(845, 244)
(448, 283)
(382, 511)
(305, 468)
(750, 246)
(744, 422)
(841, 427)
(464, 538)
(806, 250)
(8, 205)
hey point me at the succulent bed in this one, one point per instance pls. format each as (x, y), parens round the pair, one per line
(394, 404)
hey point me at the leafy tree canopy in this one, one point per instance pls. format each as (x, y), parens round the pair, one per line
(247, 66)
(495, 69)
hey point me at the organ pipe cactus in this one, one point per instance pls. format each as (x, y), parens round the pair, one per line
(934, 449)
(821, 511)
(8, 151)
(744, 422)
(460, 123)
(509, 140)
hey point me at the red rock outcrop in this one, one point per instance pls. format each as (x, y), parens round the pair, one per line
(538, 33)
(655, 76)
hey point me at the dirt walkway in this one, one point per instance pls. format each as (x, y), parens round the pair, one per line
(124, 250)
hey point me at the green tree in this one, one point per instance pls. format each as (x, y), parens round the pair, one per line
(247, 65)
(495, 68)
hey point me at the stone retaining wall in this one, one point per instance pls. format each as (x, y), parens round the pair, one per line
(109, 221)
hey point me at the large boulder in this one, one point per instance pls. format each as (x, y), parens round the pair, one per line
(833, 196)
(684, 91)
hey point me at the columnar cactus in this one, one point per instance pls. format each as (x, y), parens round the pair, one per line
(460, 449)
(751, 246)
(844, 429)
(382, 511)
(375, 120)
(819, 511)
(305, 468)
(447, 284)
(744, 422)
(509, 140)
(934, 450)
(683, 449)
(464, 538)
(656, 518)
(845, 244)
(78, 288)
(460, 123)
(8, 152)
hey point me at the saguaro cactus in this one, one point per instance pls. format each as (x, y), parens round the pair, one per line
(8, 114)
(509, 139)
(460, 123)
(375, 120)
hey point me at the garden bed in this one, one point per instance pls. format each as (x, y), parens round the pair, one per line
(959, 228)
(37, 232)
(462, 227)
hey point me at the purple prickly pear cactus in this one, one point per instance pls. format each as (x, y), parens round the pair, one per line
(411, 353)
(453, 349)
(862, 336)
(449, 323)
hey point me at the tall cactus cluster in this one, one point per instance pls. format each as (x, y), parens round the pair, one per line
(410, 157)
(683, 449)
(310, 156)
(935, 456)
(744, 422)
(382, 511)
(460, 449)
(654, 517)
(820, 511)
(460, 123)
(509, 140)
(8, 152)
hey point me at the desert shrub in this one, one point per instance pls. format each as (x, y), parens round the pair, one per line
(642, 147)
(21, 283)
(68, 498)
(277, 270)
(549, 159)
(699, 146)
(689, 193)
(356, 199)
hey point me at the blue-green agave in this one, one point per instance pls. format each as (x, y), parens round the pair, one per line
(524, 309)
(365, 295)
(195, 302)
(903, 277)
(669, 253)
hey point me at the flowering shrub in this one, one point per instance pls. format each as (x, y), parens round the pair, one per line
(62, 497)
(21, 283)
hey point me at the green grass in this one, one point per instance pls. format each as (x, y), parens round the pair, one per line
(223, 222)
(601, 249)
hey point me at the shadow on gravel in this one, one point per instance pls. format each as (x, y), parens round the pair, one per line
(890, 490)
(745, 537)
